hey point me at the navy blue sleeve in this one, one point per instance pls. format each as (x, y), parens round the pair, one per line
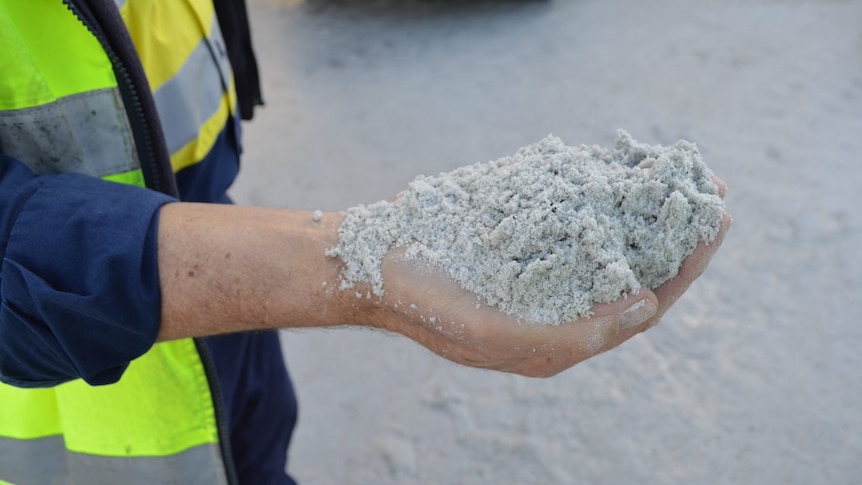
(79, 283)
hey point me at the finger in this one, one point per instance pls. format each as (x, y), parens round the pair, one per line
(579, 339)
(633, 320)
(692, 267)
(722, 187)
(557, 347)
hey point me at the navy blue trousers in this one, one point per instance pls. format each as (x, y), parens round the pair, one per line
(259, 402)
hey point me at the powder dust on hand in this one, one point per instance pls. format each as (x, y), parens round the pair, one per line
(545, 234)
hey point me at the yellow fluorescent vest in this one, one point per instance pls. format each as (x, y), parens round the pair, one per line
(61, 111)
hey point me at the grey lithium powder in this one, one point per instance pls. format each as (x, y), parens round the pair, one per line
(546, 233)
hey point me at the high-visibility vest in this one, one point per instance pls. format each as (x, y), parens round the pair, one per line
(69, 102)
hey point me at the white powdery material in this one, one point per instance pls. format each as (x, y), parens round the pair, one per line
(548, 232)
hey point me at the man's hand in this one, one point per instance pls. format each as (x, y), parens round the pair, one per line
(226, 269)
(422, 303)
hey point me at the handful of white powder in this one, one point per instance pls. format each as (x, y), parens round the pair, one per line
(548, 232)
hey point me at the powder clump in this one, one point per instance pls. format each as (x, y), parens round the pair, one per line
(546, 233)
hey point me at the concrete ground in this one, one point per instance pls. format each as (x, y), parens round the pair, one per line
(755, 377)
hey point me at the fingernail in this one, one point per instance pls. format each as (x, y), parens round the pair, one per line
(637, 314)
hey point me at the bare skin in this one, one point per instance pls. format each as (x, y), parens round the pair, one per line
(226, 269)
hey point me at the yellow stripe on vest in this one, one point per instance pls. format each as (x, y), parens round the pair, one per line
(132, 177)
(28, 413)
(180, 415)
(39, 57)
(182, 25)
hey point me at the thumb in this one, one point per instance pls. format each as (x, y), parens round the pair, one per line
(620, 320)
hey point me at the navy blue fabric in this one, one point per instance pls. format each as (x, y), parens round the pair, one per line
(79, 289)
(260, 404)
(209, 180)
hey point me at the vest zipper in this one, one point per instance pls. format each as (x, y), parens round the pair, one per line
(134, 90)
(218, 407)
(154, 159)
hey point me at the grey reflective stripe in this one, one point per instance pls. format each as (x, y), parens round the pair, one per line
(120, 3)
(44, 461)
(187, 100)
(33, 462)
(201, 465)
(85, 133)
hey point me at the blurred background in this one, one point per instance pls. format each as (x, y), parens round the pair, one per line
(755, 377)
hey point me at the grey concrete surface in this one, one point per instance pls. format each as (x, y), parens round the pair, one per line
(755, 377)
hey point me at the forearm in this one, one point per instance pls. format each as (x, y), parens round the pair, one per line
(228, 268)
